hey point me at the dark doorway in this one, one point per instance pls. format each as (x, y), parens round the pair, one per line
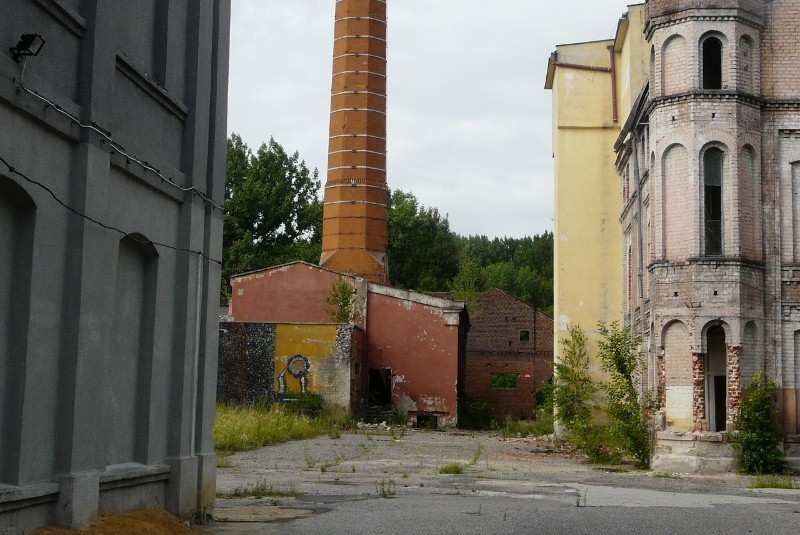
(379, 389)
(716, 379)
(719, 403)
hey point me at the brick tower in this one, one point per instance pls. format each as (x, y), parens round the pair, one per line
(355, 228)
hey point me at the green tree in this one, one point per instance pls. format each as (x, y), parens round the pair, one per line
(423, 252)
(629, 414)
(341, 302)
(272, 212)
(573, 389)
(469, 282)
(521, 266)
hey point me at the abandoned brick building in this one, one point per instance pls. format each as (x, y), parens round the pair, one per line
(406, 348)
(509, 354)
(709, 161)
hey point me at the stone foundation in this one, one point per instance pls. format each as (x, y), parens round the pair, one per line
(692, 453)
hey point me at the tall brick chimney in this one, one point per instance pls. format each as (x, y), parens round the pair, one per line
(355, 228)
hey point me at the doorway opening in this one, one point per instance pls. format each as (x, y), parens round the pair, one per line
(379, 387)
(716, 379)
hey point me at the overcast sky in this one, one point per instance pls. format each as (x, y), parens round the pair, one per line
(468, 118)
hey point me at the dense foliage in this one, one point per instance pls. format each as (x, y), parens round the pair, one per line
(573, 389)
(423, 252)
(272, 212)
(273, 215)
(629, 414)
(757, 450)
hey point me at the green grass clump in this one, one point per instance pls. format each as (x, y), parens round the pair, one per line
(772, 482)
(543, 425)
(241, 428)
(262, 490)
(453, 468)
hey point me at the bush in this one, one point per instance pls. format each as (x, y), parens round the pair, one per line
(598, 442)
(573, 389)
(628, 413)
(757, 450)
(544, 397)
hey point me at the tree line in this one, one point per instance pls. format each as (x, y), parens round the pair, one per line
(273, 215)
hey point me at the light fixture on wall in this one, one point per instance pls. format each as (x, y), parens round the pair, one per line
(29, 45)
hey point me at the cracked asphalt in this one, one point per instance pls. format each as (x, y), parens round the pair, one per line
(388, 481)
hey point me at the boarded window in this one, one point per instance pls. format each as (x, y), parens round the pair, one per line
(504, 380)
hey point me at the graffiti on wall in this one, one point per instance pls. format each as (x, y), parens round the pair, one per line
(297, 367)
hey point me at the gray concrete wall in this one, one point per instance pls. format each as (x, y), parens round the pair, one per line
(108, 336)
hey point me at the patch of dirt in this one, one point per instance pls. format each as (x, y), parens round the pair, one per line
(138, 522)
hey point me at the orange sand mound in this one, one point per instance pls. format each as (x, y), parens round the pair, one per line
(138, 522)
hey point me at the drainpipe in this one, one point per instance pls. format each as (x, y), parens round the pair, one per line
(612, 57)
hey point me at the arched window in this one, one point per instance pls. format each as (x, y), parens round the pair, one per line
(712, 184)
(712, 63)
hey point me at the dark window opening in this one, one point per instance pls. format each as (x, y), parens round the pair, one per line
(427, 421)
(712, 179)
(524, 336)
(379, 388)
(712, 63)
(504, 380)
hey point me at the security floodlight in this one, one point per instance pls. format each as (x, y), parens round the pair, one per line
(29, 45)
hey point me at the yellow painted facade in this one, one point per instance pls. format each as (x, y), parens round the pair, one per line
(319, 369)
(592, 95)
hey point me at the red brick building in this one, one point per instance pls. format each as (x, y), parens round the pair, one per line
(509, 353)
(409, 347)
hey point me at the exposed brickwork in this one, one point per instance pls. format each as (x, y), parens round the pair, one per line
(494, 346)
(698, 391)
(751, 289)
(734, 382)
(354, 230)
(662, 382)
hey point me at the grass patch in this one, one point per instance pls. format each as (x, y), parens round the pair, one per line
(453, 468)
(665, 475)
(223, 460)
(772, 482)
(543, 425)
(262, 490)
(241, 428)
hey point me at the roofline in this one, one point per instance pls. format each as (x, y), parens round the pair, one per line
(309, 264)
(416, 297)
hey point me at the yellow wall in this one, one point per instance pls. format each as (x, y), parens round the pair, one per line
(588, 234)
(329, 374)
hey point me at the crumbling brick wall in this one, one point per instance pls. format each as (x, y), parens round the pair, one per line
(508, 335)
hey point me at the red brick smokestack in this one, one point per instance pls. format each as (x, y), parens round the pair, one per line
(355, 228)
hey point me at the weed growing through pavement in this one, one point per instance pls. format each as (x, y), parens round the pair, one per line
(386, 488)
(262, 490)
(453, 468)
(773, 482)
(476, 455)
(666, 475)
